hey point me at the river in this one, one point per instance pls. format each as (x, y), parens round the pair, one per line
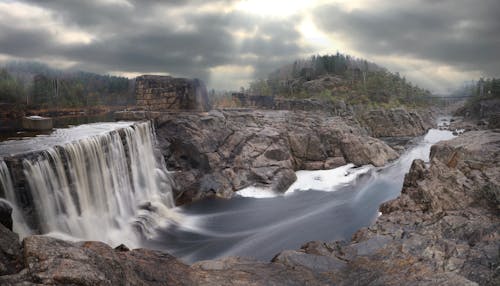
(90, 182)
(322, 205)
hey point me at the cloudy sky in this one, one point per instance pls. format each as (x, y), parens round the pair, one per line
(435, 43)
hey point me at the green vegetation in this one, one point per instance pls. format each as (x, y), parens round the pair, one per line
(356, 81)
(11, 90)
(39, 86)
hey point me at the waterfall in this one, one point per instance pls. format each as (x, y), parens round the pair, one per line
(7, 187)
(109, 187)
(6, 182)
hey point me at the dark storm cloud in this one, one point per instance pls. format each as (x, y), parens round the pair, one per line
(459, 33)
(154, 36)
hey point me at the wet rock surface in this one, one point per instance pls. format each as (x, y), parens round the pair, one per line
(219, 152)
(5, 214)
(397, 122)
(50, 261)
(442, 230)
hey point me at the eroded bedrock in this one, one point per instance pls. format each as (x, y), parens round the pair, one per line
(219, 152)
(442, 230)
(397, 122)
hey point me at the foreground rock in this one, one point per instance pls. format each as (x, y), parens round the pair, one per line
(442, 230)
(50, 261)
(220, 152)
(10, 248)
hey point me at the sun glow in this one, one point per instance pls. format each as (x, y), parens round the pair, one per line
(274, 8)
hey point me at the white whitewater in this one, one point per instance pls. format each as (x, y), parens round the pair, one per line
(7, 187)
(323, 180)
(105, 187)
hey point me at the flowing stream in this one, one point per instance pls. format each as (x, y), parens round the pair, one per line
(104, 182)
(321, 205)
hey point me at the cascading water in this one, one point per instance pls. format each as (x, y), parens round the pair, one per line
(108, 187)
(7, 187)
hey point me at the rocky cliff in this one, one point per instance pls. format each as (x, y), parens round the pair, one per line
(220, 152)
(442, 230)
(397, 122)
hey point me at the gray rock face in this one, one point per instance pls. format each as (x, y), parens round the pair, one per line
(50, 261)
(5, 214)
(10, 252)
(443, 229)
(217, 153)
(397, 122)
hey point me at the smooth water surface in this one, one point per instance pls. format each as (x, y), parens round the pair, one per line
(321, 205)
(59, 136)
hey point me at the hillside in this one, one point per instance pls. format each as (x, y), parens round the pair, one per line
(339, 76)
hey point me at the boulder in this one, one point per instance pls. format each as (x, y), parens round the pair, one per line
(51, 261)
(363, 150)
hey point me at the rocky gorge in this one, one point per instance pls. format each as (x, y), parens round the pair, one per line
(442, 230)
(435, 233)
(222, 151)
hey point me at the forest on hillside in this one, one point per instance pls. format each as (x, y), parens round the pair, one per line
(36, 85)
(339, 76)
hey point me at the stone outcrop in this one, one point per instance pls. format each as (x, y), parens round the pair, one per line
(442, 230)
(165, 93)
(220, 152)
(397, 122)
(50, 261)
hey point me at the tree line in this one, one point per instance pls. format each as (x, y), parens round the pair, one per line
(355, 81)
(39, 86)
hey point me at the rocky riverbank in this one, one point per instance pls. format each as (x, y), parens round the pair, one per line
(221, 152)
(442, 230)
